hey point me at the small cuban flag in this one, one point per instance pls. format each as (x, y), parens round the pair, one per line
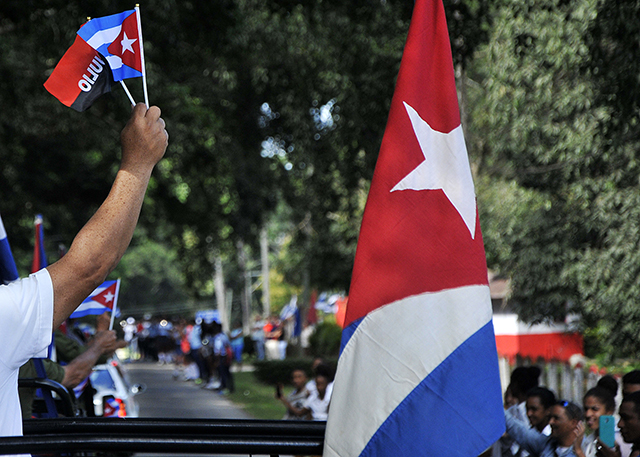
(118, 39)
(8, 270)
(103, 299)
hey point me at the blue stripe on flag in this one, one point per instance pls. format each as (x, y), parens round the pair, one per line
(348, 332)
(93, 311)
(101, 23)
(8, 270)
(443, 429)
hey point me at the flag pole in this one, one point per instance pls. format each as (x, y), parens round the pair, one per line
(114, 310)
(144, 71)
(126, 89)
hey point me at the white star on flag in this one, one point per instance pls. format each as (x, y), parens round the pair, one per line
(448, 170)
(127, 43)
(108, 297)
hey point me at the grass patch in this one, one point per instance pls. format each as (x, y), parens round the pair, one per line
(256, 398)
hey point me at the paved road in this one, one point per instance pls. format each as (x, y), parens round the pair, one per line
(167, 397)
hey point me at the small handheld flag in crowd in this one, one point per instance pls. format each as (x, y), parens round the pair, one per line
(418, 369)
(103, 299)
(39, 256)
(8, 269)
(80, 77)
(107, 49)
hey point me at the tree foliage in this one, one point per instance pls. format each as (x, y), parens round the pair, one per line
(556, 119)
(276, 111)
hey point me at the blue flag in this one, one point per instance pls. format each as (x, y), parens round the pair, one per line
(8, 270)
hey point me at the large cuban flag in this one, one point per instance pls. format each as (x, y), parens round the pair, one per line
(117, 38)
(418, 369)
(8, 269)
(101, 300)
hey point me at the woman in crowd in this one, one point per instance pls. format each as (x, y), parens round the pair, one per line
(599, 401)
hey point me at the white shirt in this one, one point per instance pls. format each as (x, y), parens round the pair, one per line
(319, 406)
(26, 326)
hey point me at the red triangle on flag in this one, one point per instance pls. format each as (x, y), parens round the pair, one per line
(107, 296)
(127, 44)
(415, 241)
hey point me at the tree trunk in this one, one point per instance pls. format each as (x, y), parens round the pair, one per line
(246, 291)
(218, 282)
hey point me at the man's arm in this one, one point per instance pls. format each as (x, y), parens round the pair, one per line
(530, 439)
(79, 368)
(100, 244)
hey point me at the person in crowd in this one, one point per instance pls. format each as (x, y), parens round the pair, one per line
(257, 336)
(31, 308)
(566, 429)
(191, 371)
(599, 401)
(629, 426)
(131, 338)
(283, 338)
(71, 342)
(305, 336)
(610, 383)
(223, 356)
(539, 403)
(104, 343)
(209, 331)
(194, 336)
(522, 380)
(509, 399)
(294, 402)
(237, 343)
(164, 343)
(631, 382)
(272, 333)
(316, 405)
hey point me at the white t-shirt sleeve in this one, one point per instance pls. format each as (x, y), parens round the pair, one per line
(26, 319)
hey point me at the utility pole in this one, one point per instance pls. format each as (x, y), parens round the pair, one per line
(264, 258)
(246, 292)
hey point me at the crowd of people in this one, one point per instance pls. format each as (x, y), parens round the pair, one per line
(201, 351)
(539, 424)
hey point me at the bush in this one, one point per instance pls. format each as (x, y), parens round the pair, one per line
(275, 371)
(325, 341)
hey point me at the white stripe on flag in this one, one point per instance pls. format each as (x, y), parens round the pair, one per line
(104, 36)
(115, 62)
(3, 232)
(399, 345)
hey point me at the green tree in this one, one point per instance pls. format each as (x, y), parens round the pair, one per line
(552, 128)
